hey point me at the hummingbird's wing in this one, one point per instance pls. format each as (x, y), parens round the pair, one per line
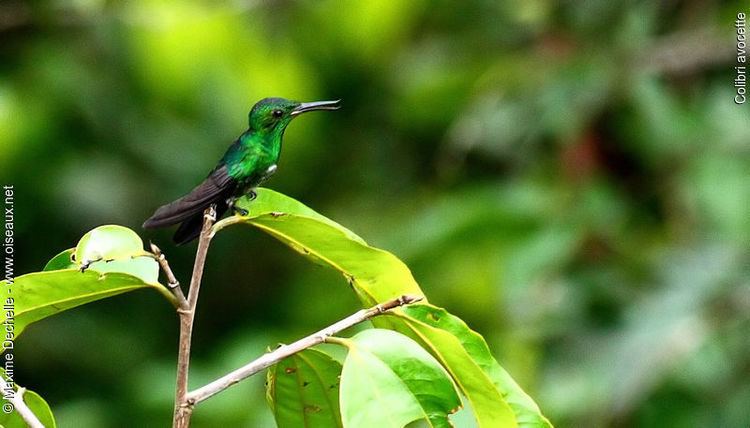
(217, 187)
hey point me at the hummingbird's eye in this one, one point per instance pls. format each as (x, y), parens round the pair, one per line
(277, 113)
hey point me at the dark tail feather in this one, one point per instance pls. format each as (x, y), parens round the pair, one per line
(180, 210)
(188, 230)
(191, 228)
(214, 189)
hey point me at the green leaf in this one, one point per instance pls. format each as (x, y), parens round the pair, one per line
(388, 380)
(113, 248)
(113, 262)
(471, 359)
(377, 276)
(41, 294)
(34, 402)
(107, 243)
(64, 260)
(303, 390)
(145, 268)
(279, 205)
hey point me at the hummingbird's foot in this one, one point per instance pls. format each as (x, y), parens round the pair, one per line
(235, 209)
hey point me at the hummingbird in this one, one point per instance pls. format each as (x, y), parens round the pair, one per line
(249, 161)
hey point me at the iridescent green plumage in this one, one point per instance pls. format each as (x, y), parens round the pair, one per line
(250, 160)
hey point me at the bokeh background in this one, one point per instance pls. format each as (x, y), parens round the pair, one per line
(571, 178)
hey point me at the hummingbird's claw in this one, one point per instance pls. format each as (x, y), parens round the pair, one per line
(235, 209)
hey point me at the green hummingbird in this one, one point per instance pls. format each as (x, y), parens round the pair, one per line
(249, 161)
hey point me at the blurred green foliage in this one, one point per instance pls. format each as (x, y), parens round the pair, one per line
(569, 178)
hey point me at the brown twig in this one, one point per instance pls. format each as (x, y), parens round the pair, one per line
(273, 357)
(183, 408)
(173, 285)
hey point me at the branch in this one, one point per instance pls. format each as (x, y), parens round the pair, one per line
(16, 399)
(234, 219)
(284, 351)
(183, 409)
(173, 285)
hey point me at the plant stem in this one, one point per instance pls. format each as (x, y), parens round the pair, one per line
(338, 341)
(284, 351)
(172, 283)
(234, 219)
(183, 408)
(20, 406)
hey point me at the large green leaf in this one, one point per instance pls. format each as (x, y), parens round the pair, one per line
(107, 261)
(437, 329)
(144, 267)
(377, 276)
(34, 402)
(41, 294)
(388, 381)
(303, 391)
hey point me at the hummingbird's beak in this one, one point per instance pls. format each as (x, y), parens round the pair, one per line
(316, 105)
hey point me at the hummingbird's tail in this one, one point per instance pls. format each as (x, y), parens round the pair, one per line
(188, 210)
(191, 228)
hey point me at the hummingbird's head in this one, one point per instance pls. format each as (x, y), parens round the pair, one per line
(272, 115)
